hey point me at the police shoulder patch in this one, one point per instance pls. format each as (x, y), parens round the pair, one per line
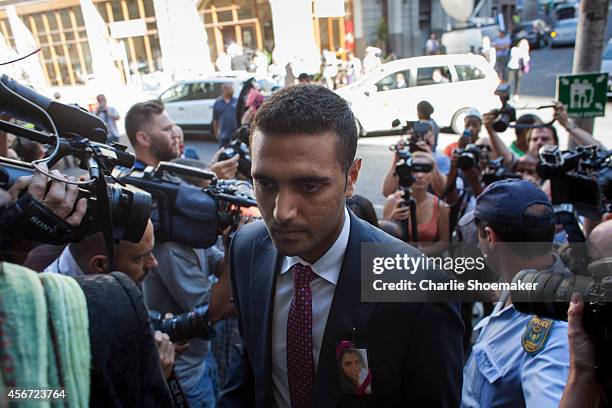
(536, 334)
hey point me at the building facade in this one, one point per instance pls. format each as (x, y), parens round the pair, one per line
(59, 30)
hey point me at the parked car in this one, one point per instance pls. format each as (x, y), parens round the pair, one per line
(535, 32)
(564, 32)
(606, 65)
(451, 83)
(190, 103)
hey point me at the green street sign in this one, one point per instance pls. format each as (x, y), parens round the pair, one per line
(584, 95)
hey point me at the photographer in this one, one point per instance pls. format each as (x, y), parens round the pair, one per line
(472, 126)
(582, 389)
(579, 136)
(441, 167)
(110, 116)
(134, 259)
(515, 224)
(182, 279)
(535, 138)
(424, 112)
(432, 213)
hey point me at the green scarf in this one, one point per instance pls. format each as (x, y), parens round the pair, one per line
(44, 331)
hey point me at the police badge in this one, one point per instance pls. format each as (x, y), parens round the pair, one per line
(536, 334)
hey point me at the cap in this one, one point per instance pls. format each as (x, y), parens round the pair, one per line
(473, 112)
(504, 202)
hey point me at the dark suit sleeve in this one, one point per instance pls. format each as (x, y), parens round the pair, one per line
(437, 347)
(239, 388)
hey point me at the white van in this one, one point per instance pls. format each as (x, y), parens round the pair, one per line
(451, 83)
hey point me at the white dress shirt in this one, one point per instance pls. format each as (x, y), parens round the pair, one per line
(65, 265)
(327, 270)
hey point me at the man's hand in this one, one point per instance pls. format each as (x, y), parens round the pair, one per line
(464, 140)
(399, 211)
(60, 198)
(582, 352)
(488, 119)
(582, 388)
(225, 169)
(166, 352)
(561, 115)
(423, 146)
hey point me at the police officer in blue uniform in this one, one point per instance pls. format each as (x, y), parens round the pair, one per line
(518, 360)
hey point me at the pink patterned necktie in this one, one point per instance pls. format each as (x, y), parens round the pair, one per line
(300, 363)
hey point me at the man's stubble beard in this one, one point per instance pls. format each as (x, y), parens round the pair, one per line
(165, 155)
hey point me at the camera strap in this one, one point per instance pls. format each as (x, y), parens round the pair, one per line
(30, 219)
(178, 396)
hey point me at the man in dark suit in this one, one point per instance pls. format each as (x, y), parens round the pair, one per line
(296, 277)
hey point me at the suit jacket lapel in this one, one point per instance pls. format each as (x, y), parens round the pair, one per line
(266, 263)
(343, 316)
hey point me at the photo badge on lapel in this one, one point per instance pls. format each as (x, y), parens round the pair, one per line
(353, 371)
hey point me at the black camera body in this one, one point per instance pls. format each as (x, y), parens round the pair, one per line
(506, 114)
(495, 171)
(237, 147)
(189, 214)
(469, 157)
(185, 326)
(581, 177)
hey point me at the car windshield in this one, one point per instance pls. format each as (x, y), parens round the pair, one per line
(608, 52)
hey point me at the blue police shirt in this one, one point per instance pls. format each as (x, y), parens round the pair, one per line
(225, 114)
(501, 373)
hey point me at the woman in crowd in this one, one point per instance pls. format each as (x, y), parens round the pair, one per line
(431, 213)
(363, 208)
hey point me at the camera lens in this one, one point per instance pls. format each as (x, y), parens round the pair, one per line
(130, 209)
(186, 326)
(466, 161)
(502, 122)
(552, 293)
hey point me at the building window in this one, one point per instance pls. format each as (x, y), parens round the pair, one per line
(247, 23)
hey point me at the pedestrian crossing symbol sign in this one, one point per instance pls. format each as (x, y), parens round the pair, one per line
(585, 95)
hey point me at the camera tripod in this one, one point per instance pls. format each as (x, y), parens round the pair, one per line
(413, 234)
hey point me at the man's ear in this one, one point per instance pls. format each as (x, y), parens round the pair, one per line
(491, 236)
(98, 264)
(142, 138)
(353, 173)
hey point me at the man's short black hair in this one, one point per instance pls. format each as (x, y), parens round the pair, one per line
(309, 109)
(138, 115)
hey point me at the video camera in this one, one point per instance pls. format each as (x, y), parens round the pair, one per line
(121, 213)
(185, 326)
(552, 297)
(581, 177)
(412, 132)
(185, 213)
